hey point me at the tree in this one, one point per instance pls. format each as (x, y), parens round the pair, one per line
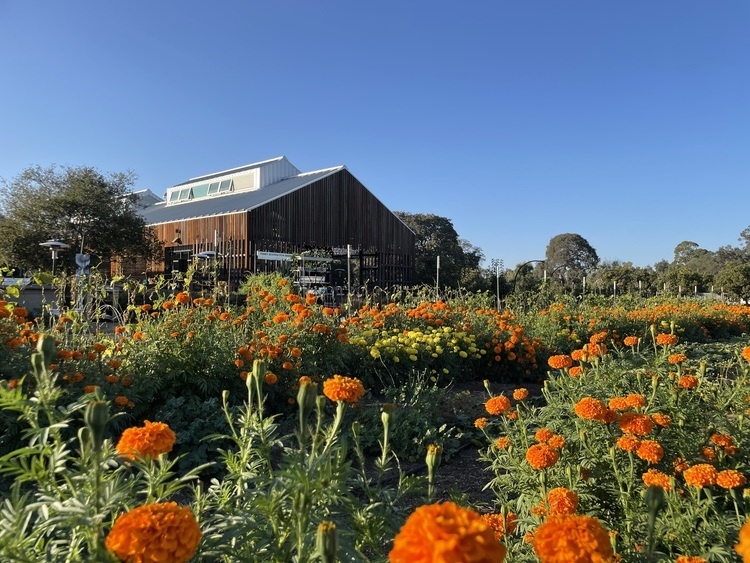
(569, 257)
(79, 206)
(436, 236)
(735, 279)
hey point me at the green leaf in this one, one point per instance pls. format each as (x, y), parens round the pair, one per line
(13, 291)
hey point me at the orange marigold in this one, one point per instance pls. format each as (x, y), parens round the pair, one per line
(182, 298)
(655, 478)
(722, 440)
(700, 475)
(746, 353)
(445, 532)
(688, 382)
(590, 408)
(556, 442)
(730, 479)
(500, 525)
(502, 443)
(677, 359)
(497, 405)
(149, 440)
(650, 451)
(541, 456)
(666, 339)
(690, 559)
(578, 355)
(562, 501)
(628, 442)
(619, 403)
(575, 371)
(520, 394)
(566, 538)
(271, 378)
(631, 341)
(743, 547)
(543, 434)
(561, 361)
(660, 419)
(636, 423)
(347, 389)
(635, 400)
(481, 423)
(155, 532)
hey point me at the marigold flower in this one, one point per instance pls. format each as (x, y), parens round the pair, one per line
(688, 382)
(722, 440)
(700, 475)
(445, 532)
(635, 400)
(746, 353)
(481, 423)
(561, 361)
(497, 405)
(566, 538)
(575, 371)
(730, 479)
(121, 400)
(636, 423)
(690, 559)
(743, 547)
(271, 378)
(502, 443)
(541, 456)
(650, 451)
(155, 532)
(182, 298)
(500, 525)
(631, 341)
(543, 434)
(150, 440)
(578, 355)
(619, 403)
(556, 442)
(655, 478)
(662, 420)
(562, 501)
(167, 305)
(347, 389)
(666, 339)
(628, 443)
(520, 394)
(590, 408)
(677, 359)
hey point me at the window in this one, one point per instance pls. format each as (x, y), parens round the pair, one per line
(200, 191)
(174, 196)
(213, 188)
(226, 186)
(185, 194)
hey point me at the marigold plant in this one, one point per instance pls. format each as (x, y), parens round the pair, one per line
(566, 538)
(346, 389)
(150, 440)
(700, 475)
(541, 456)
(498, 405)
(590, 408)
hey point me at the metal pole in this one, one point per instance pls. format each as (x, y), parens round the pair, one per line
(348, 278)
(437, 280)
(497, 285)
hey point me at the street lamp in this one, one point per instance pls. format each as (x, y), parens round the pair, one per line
(55, 246)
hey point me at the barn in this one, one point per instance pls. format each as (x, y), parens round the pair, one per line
(269, 215)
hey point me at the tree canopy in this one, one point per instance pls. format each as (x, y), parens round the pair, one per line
(79, 206)
(569, 257)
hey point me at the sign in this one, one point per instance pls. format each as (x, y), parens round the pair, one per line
(273, 256)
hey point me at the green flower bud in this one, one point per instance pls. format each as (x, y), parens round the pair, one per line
(434, 453)
(96, 418)
(46, 347)
(327, 542)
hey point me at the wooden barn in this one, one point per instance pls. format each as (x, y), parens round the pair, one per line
(269, 215)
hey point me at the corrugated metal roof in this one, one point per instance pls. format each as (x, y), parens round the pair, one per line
(232, 203)
(230, 171)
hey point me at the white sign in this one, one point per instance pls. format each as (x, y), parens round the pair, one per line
(273, 256)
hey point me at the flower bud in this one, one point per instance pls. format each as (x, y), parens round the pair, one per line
(327, 542)
(96, 418)
(46, 347)
(307, 398)
(434, 453)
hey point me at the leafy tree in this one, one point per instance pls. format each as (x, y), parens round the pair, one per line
(79, 206)
(734, 278)
(569, 257)
(436, 236)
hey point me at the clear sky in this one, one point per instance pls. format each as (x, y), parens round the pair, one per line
(624, 121)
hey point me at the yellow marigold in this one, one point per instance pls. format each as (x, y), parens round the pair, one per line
(662, 420)
(730, 479)
(571, 538)
(688, 382)
(561, 361)
(677, 359)
(590, 408)
(502, 443)
(636, 423)
(347, 389)
(690, 559)
(151, 439)
(501, 525)
(498, 405)
(700, 475)
(541, 456)
(631, 341)
(655, 478)
(562, 501)
(650, 451)
(628, 442)
(445, 532)
(520, 394)
(481, 423)
(543, 434)
(556, 442)
(666, 339)
(746, 353)
(155, 532)
(743, 547)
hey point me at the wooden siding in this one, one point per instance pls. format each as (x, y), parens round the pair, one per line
(333, 212)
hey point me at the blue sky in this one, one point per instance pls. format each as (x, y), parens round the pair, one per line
(627, 122)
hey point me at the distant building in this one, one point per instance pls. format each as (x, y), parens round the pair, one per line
(263, 216)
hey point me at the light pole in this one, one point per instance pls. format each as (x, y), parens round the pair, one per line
(55, 246)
